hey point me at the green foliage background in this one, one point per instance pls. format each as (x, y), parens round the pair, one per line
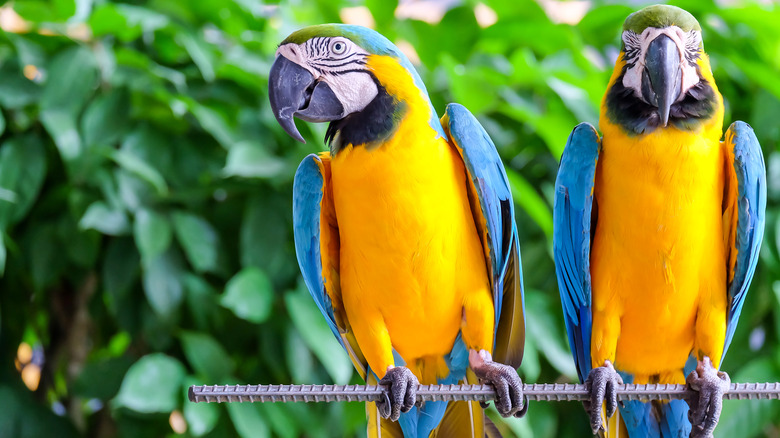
(145, 203)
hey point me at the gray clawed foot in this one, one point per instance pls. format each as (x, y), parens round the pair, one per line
(705, 409)
(401, 393)
(602, 384)
(509, 388)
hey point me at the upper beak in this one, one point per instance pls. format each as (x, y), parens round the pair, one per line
(662, 78)
(294, 92)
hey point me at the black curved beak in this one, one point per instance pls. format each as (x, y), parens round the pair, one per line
(294, 92)
(662, 78)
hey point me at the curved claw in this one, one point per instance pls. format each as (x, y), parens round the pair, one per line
(705, 409)
(602, 383)
(509, 388)
(401, 392)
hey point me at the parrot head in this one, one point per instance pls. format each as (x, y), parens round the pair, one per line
(663, 75)
(348, 75)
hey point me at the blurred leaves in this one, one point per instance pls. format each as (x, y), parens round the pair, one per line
(318, 336)
(145, 202)
(249, 295)
(151, 385)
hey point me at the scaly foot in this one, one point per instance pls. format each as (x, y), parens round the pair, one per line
(509, 387)
(401, 392)
(711, 384)
(602, 383)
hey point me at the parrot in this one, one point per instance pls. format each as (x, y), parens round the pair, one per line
(657, 230)
(404, 231)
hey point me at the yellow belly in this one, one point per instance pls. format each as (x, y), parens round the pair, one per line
(658, 257)
(410, 251)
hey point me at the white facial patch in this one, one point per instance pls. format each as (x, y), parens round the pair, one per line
(355, 90)
(636, 48)
(338, 62)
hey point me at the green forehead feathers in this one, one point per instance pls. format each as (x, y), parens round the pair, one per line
(367, 39)
(307, 33)
(661, 16)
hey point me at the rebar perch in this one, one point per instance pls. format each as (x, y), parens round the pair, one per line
(484, 393)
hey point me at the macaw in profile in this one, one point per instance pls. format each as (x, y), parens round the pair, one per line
(404, 231)
(658, 226)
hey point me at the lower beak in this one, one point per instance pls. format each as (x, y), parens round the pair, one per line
(662, 81)
(294, 92)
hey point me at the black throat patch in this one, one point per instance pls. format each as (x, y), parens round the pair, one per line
(638, 117)
(369, 127)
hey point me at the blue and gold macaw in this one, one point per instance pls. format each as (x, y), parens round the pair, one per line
(658, 226)
(404, 231)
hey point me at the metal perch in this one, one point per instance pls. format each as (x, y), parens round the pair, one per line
(483, 393)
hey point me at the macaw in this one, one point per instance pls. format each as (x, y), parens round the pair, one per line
(404, 230)
(658, 226)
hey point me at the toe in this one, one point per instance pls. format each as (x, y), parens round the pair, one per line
(698, 415)
(411, 395)
(516, 394)
(610, 397)
(523, 409)
(384, 405)
(503, 398)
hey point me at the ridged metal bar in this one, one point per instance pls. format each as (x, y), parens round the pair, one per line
(533, 392)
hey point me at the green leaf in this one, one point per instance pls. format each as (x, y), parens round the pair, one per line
(249, 160)
(299, 359)
(102, 378)
(248, 420)
(199, 52)
(546, 331)
(249, 295)
(64, 95)
(127, 22)
(748, 418)
(201, 417)
(214, 123)
(83, 245)
(526, 196)
(206, 356)
(266, 224)
(119, 273)
(314, 329)
(152, 233)
(40, 11)
(162, 283)
(151, 385)
(140, 168)
(22, 171)
(61, 125)
(202, 300)
(16, 91)
(99, 216)
(3, 253)
(105, 119)
(282, 419)
(199, 240)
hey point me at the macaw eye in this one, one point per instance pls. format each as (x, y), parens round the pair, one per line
(338, 47)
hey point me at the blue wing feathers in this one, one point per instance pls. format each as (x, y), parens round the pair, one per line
(308, 188)
(486, 171)
(571, 238)
(751, 206)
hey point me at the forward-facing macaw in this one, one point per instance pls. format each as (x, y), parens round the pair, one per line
(658, 226)
(404, 231)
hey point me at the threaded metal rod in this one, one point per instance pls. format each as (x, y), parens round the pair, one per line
(533, 392)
